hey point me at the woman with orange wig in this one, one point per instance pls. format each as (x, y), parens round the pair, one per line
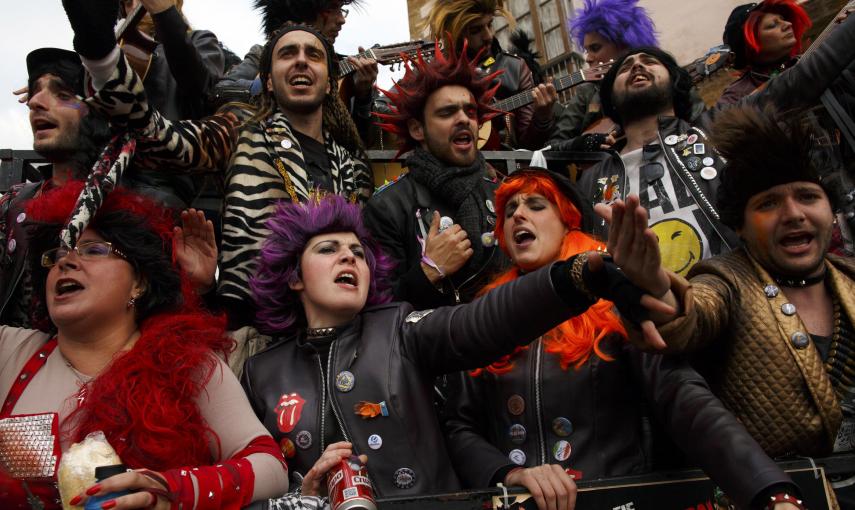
(571, 403)
(765, 38)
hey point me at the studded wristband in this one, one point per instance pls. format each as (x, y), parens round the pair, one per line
(576, 269)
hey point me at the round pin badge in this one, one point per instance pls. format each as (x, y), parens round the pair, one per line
(708, 161)
(287, 447)
(517, 457)
(709, 173)
(404, 478)
(800, 340)
(286, 144)
(488, 239)
(672, 139)
(516, 405)
(517, 433)
(561, 450)
(345, 381)
(788, 309)
(304, 439)
(693, 163)
(11, 245)
(21, 217)
(562, 427)
(375, 441)
(490, 206)
(771, 291)
(692, 139)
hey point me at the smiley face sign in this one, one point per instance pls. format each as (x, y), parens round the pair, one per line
(289, 410)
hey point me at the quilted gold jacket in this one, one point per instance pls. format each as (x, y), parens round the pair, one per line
(743, 340)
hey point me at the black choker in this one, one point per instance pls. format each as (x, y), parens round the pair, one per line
(320, 332)
(801, 282)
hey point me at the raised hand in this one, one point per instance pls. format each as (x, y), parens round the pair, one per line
(633, 246)
(196, 249)
(551, 487)
(92, 22)
(449, 250)
(23, 94)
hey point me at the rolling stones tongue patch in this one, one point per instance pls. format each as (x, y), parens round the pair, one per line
(289, 409)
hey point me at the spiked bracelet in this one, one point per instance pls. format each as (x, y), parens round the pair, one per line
(784, 498)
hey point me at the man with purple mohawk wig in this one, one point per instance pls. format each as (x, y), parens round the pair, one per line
(604, 29)
(436, 110)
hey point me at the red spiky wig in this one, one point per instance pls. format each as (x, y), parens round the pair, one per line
(145, 400)
(789, 10)
(422, 78)
(573, 340)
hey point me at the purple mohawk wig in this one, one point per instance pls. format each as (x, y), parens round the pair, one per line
(622, 22)
(291, 226)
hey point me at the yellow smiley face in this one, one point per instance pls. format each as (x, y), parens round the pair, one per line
(680, 245)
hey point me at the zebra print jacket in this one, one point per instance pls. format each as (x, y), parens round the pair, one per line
(262, 164)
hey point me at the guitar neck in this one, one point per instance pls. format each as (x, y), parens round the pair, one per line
(345, 67)
(131, 21)
(828, 29)
(524, 98)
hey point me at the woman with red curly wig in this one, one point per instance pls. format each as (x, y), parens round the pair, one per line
(571, 403)
(765, 38)
(131, 354)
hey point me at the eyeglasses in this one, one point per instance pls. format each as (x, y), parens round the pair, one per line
(344, 12)
(651, 170)
(91, 250)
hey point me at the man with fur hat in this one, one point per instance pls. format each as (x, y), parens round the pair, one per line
(771, 323)
(296, 139)
(666, 158)
(454, 21)
(328, 17)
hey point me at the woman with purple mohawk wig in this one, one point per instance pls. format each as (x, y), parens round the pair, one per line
(352, 373)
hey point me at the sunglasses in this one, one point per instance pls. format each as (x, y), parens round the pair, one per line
(651, 170)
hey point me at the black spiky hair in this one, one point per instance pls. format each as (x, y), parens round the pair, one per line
(763, 148)
(523, 46)
(275, 13)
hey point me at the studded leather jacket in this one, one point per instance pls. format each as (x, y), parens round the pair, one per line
(596, 421)
(390, 356)
(14, 270)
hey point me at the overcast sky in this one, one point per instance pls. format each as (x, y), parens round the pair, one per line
(38, 23)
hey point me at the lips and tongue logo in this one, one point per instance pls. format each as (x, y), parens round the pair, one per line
(289, 409)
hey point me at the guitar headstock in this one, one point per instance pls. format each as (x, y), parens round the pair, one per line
(596, 73)
(395, 53)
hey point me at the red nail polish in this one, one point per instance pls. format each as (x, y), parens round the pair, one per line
(75, 501)
(108, 504)
(95, 489)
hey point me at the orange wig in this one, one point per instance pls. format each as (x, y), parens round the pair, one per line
(573, 340)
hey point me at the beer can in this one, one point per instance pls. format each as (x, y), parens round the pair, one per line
(349, 487)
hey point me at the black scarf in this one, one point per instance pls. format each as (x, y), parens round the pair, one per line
(455, 186)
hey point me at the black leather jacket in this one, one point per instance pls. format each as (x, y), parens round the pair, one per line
(394, 355)
(401, 212)
(595, 180)
(14, 249)
(599, 412)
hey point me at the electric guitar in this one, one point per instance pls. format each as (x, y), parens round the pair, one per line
(488, 138)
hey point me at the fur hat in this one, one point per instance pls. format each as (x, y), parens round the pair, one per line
(276, 12)
(622, 22)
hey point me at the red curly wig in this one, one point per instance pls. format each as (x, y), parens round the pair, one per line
(145, 399)
(789, 10)
(573, 340)
(422, 78)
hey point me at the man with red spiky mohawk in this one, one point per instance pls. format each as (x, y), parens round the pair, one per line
(437, 108)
